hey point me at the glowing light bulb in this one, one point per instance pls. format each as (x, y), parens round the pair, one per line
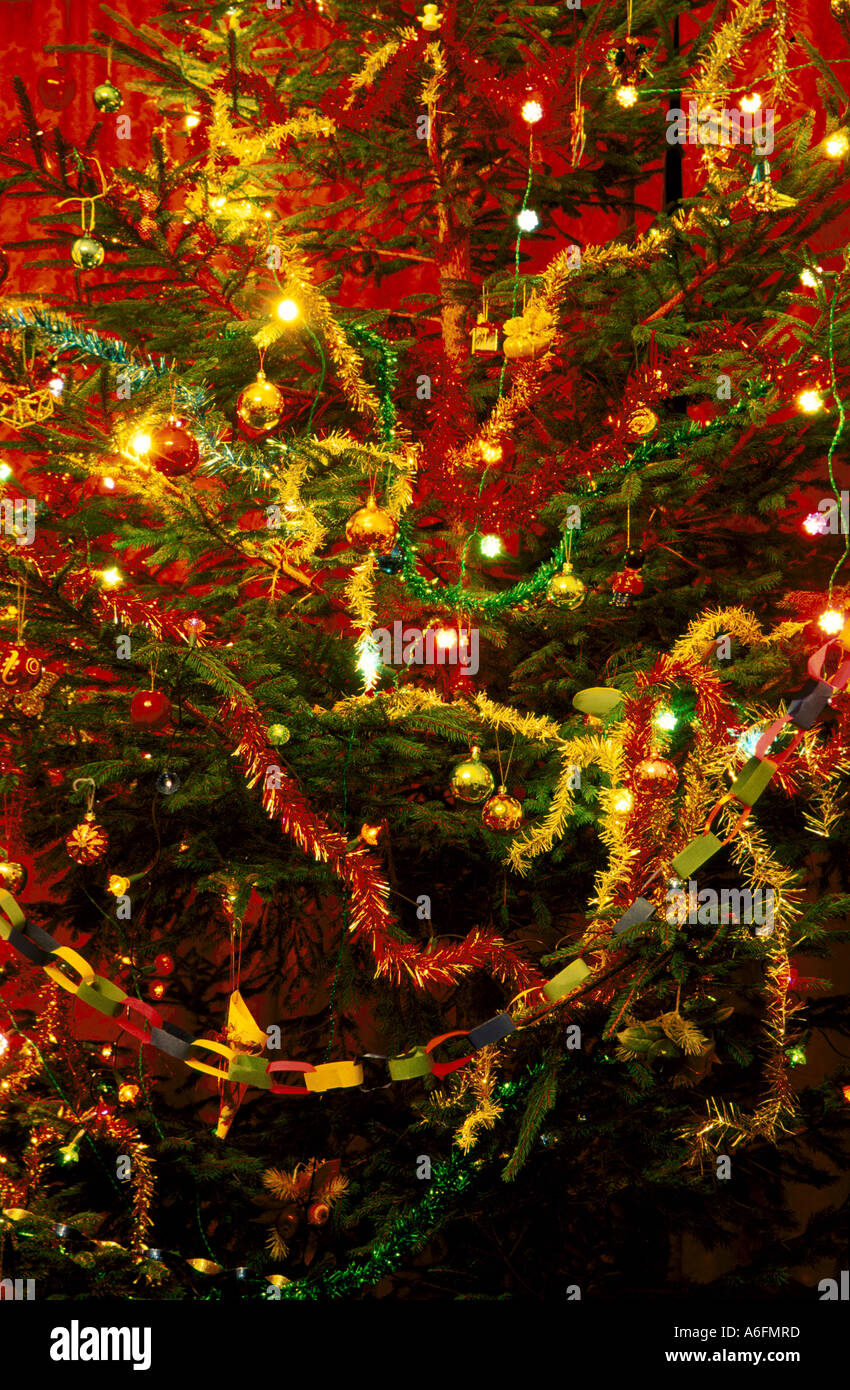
(127, 1093)
(816, 524)
(108, 484)
(157, 989)
(626, 96)
(106, 1051)
(5, 472)
(666, 719)
(490, 452)
(810, 278)
(288, 310)
(56, 385)
(751, 103)
(837, 145)
(622, 803)
(532, 112)
(369, 662)
(845, 1091)
(112, 577)
(140, 443)
(192, 120)
(491, 546)
(527, 220)
(831, 621)
(4, 1043)
(810, 402)
(446, 638)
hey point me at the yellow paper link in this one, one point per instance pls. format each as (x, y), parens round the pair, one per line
(331, 1076)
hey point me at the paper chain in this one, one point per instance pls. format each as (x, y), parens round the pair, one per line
(72, 972)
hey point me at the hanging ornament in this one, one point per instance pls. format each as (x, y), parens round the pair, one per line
(13, 876)
(565, 589)
(88, 841)
(173, 450)
(259, 406)
(371, 528)
(485, 335)
(56, 88)
(392, 562)
(107, 97)
(628, 583)
(641, 422)
(277, 734)
(502, 812)
(150, 709)
(167, 783)
(656, 776)
(531, 333)
(626, 66)
(430, 19)
(472, 779)
(19, 670)
(87, 253)
(117, 885)
(762, 194)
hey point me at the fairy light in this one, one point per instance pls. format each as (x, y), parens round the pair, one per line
(837, 145)
(369, 661)
(816, 524)
(626, 96)
(5, 472)
(751, 103)
(108, 483)
(112, 577)
(811, 278)
(491, 546)
(192, 120)
(666, 719)
(140, 443)
(622, 803)
(288, 310)
(127, 1093)
(527, 220)
(157, 989)
(532, 112)
(490, 451)
(4, 1043)
(831, 621)
(810, 402)
(446, 638)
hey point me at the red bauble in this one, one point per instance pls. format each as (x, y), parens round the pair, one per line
(656, 776)
(56, 88)
(150, 709)
(163, 964)
(19, 670)
(55, 776)
(174, 451)
(318, 1213)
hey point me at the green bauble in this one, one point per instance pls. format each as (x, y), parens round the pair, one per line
(87, 253)
(565, 589)
(107, 98)
(472, 780)
(277, 734)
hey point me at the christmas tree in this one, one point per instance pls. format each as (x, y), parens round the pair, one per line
(425, 657)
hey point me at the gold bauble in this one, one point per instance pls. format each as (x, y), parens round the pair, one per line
(656, 776)
(13, 876)
(502, 812)
(260, 405)
(87, 842)
(642, 421)
(472, 779)
(565, 588)
(371, 528)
